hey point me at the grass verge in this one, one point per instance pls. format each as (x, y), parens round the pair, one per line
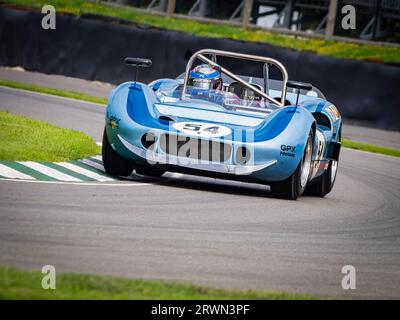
(25, 139)
(319, 46)
(23, 284)
(55, 92)
(345, 142)
(370, 148)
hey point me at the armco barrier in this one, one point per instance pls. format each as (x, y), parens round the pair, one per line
(93, 49)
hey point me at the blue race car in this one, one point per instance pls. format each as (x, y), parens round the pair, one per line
(212, 122)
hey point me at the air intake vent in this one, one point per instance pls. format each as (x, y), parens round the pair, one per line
(322, 120)
(148, 140)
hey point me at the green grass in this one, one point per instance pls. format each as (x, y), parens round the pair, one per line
(319, 46)
(370, 148)
(25, 139)
(23, 284)
(345, 142)
(55, 92)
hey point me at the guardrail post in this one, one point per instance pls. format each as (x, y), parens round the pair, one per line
(288, 17)
(171, 7)
(330, 23)
(248, 5)
(375, 29)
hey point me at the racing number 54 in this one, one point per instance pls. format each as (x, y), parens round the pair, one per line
(198, 128)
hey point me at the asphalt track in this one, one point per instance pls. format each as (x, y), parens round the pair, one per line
(206, 231)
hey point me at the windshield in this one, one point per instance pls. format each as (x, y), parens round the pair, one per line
(245, 101)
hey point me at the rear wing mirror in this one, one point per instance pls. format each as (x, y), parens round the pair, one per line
(299, 86)
(138, 62)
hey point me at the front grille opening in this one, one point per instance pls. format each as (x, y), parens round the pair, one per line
(193, 148)
(148, 140)
(242, 155)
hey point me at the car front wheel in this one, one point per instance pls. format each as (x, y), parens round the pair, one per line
(326, 182)
(113, 163)
(294, 186)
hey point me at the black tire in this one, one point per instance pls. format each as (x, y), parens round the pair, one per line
(326, 182)
(292, 187)
(149, 172)
(113, 163)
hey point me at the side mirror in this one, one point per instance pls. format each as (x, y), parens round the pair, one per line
(138, 62)
(299, 85)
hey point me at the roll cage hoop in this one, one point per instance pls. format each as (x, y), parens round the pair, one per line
(202, 55)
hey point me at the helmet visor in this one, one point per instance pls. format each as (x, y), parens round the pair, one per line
(204, 84)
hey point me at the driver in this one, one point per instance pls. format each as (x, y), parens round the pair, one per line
(205, 82)
(205, 78)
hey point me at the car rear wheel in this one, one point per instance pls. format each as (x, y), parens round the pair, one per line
(294, 186)
(326, 182)
(113, 163)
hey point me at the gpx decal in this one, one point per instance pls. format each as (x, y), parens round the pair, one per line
(288, 151)
(204, 130)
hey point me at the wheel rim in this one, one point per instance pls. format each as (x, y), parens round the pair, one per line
(306, 165)
(334, 166)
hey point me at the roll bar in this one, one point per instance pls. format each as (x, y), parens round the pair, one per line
(214, 53)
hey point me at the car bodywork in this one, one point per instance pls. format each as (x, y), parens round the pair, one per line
(158, 125)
